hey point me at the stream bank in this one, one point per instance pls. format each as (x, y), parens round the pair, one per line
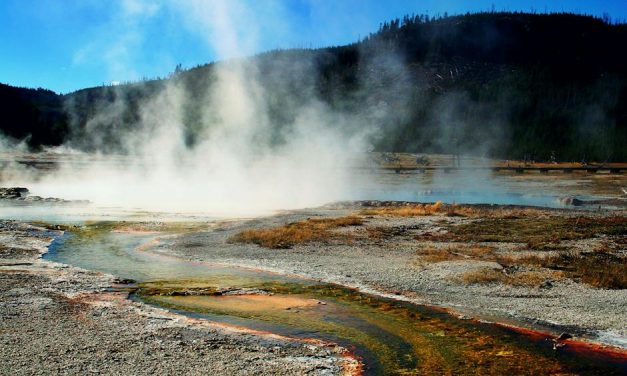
(58, 319)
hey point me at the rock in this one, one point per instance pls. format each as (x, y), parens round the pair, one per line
(13, 193)
(558, 346)
(22, 194)
(572, 201)
(242, 291)
(546, 284)
(563, 336)
(513, 269)
(192, 292)
(124, 281)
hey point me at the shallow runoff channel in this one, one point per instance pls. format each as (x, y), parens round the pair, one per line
(390, 337)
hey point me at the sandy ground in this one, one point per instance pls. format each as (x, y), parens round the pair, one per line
(391, 268)
(56, 319)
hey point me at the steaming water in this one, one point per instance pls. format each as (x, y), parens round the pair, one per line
(459, 188)
(119, 254)
(78, 214)
(117, 198)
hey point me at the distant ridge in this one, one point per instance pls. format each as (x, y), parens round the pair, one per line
(508, 85)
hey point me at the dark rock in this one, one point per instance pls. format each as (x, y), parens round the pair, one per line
(546, 284)
(22, 194)
(13, 193)
(573, 201)
(124, 281)
(558, 346)
(563, 336)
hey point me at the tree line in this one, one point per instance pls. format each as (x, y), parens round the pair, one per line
(499, 84)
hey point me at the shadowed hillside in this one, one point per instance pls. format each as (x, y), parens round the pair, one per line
(36, 115)
(507, 85)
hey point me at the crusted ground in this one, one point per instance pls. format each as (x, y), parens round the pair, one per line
(556, 269)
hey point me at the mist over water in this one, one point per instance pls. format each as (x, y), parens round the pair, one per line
(241, 163)
(235, 167)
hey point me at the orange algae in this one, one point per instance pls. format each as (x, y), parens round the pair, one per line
(249, 303)
(399, 338)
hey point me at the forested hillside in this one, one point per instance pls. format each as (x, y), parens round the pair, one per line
(35, 114)
(508, 85)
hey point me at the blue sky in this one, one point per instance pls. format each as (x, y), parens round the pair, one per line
(65, 45)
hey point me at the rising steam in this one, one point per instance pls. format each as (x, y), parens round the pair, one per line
(235, 167)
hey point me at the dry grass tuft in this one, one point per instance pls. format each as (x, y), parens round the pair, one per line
(599, 269)
(296, 233)
(482, 211)
(452, 210)
(463, 211)
(413, 210)
(538, 231)
(381, 233)
(456, 252)
(602, 267)
(526, 278)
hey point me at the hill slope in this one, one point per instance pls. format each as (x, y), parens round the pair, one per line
(508, 85)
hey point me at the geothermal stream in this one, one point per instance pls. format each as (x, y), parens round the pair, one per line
(389, 336)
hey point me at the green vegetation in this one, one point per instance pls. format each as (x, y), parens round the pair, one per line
(508, 85)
